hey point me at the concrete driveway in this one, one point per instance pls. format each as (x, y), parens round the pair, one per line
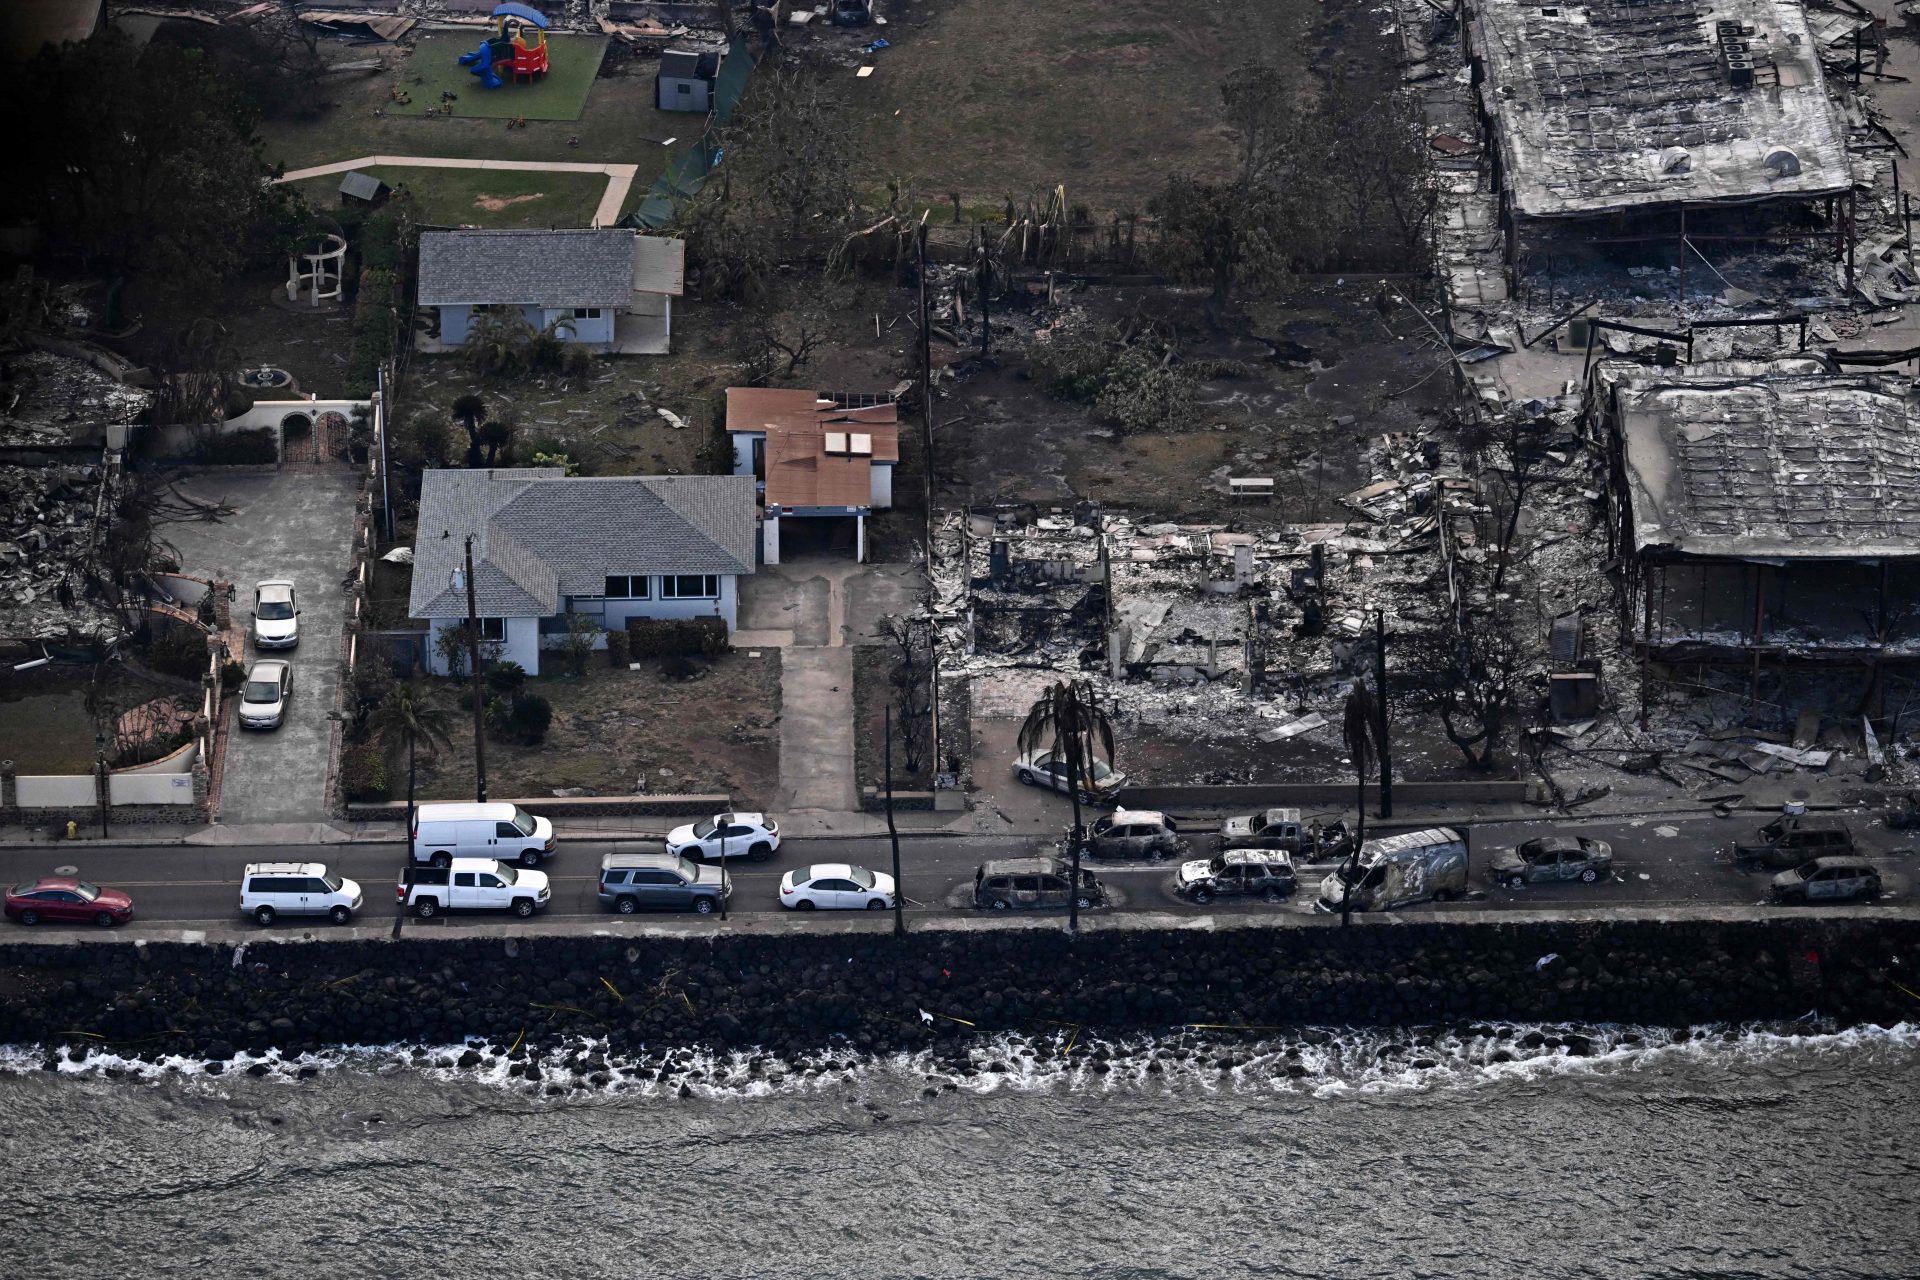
(290, 524)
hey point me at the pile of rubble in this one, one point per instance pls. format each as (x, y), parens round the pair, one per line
(47, 522)
(58, 401)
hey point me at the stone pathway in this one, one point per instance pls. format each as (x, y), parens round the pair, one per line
(619, 176)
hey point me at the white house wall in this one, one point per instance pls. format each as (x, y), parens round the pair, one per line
(522, 644)
(881, 494)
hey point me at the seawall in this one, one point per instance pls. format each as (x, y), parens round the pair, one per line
(800, 992)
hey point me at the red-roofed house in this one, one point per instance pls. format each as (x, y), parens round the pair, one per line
(818, 457)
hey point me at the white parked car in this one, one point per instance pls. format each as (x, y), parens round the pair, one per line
(276, 615)
(269, 890)
(727, 835)
(263, 698)
(832, 886)
(1043, 769)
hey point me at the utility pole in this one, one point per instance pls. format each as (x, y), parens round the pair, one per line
(479, 701)
(926, 382)
(986, 283)
(893, 836)
(380, 421)
(1380, 723)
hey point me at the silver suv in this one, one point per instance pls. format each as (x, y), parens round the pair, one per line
(631, 882)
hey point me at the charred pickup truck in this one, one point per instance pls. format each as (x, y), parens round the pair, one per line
(1793, 840)
(1283, 830)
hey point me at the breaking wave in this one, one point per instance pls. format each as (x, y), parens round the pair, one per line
(1314, 1062)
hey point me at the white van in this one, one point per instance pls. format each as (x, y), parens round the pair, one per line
(1396, 871)
(269, 890)
(506, 832)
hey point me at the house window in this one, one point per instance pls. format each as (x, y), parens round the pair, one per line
(586, 313)
(494, 629)
(637, 587)
(685, 88)
(689, 586)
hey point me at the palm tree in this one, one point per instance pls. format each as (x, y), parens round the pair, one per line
(472, 411)
(1357, 730)
(404, 712)
(1068, 721)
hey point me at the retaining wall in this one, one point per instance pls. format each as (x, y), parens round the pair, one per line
(849, 982)
(560, 808)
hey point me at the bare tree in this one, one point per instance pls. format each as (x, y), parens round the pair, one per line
(1518, 441)
(1470, 667)
(912, 641)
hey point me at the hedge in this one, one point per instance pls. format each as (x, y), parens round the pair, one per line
(677, 637)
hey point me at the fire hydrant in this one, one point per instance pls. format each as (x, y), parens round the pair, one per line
(73, 830)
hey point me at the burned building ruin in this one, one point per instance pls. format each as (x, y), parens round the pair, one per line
(1764, 511)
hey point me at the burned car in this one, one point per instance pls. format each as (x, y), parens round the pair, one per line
(1134, 833)
(1268, 829)
(1553, 858)
(1237, 873)
(1839, 879)
(1792, 840)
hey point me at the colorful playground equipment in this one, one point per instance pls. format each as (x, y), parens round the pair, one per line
(518, 47)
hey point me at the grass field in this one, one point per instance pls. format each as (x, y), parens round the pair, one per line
(999, 98)
(561, 94)
(481, 198)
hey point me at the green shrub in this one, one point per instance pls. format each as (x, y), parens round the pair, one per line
(677, 637)
(506, 679)
(363, 772)
(530, 718)
(241, 449)
(619, 649)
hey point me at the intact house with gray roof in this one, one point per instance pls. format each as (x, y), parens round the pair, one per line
(546, 544)
(610, 290)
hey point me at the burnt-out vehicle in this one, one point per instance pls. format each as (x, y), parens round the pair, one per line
(1793, 840)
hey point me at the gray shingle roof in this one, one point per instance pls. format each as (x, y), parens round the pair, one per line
(539, 535)
(361, 186)
(574, 268)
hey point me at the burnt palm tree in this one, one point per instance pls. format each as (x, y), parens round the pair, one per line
(1357, 729)
(472, 411)
(1068, 720)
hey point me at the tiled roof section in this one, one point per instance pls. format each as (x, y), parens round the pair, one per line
(587, 528)
(1778, 460)
(507, 580)
(570, 268)
(1591, 101)
(539, 535)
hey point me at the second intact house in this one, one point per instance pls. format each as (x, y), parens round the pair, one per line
(546, 544)
(611, 290)
(825, 461)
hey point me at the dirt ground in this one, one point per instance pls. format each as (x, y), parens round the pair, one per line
(1006, 98)
(873, 667)
(618, 732)
(1322, 366)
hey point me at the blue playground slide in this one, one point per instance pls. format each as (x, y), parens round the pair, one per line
(480, 62)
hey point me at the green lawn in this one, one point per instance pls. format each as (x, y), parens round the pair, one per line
(481, 197)
(561, 94)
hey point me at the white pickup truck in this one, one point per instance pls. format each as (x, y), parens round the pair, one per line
(475, 884)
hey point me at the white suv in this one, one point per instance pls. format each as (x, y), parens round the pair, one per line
(269, 890)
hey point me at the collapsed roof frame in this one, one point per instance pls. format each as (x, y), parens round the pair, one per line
(1642, 109)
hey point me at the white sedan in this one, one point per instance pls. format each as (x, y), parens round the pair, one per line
(727, 835)
(831, 886)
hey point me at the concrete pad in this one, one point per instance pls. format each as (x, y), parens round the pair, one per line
(816, 744)
(287, 524)
(787, 598)
(876, 591)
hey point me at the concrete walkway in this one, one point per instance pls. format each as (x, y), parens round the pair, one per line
(619, 176)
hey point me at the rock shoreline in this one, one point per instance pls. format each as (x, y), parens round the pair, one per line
(796, 995)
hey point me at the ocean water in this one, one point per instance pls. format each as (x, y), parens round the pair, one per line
(1721, 1152)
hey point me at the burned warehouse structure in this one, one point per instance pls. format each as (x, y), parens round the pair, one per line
(1764, 511)
(1658, 123)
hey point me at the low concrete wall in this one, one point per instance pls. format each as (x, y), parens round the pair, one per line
(55, 791)
(1265, 795)
(149, 788)
(180, 760)
(560, 808)
(873, 800)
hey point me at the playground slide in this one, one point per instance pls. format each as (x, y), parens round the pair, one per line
(480, 62)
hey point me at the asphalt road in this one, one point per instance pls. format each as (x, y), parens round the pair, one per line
(1658, 862)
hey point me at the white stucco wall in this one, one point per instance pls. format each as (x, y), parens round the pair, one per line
(522, 644)
(882, 491)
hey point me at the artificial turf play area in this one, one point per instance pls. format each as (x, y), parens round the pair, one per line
(436, 82)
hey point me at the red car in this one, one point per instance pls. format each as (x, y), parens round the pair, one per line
(65, 898)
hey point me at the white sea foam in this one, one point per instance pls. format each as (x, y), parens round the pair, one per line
(1318, 1063)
